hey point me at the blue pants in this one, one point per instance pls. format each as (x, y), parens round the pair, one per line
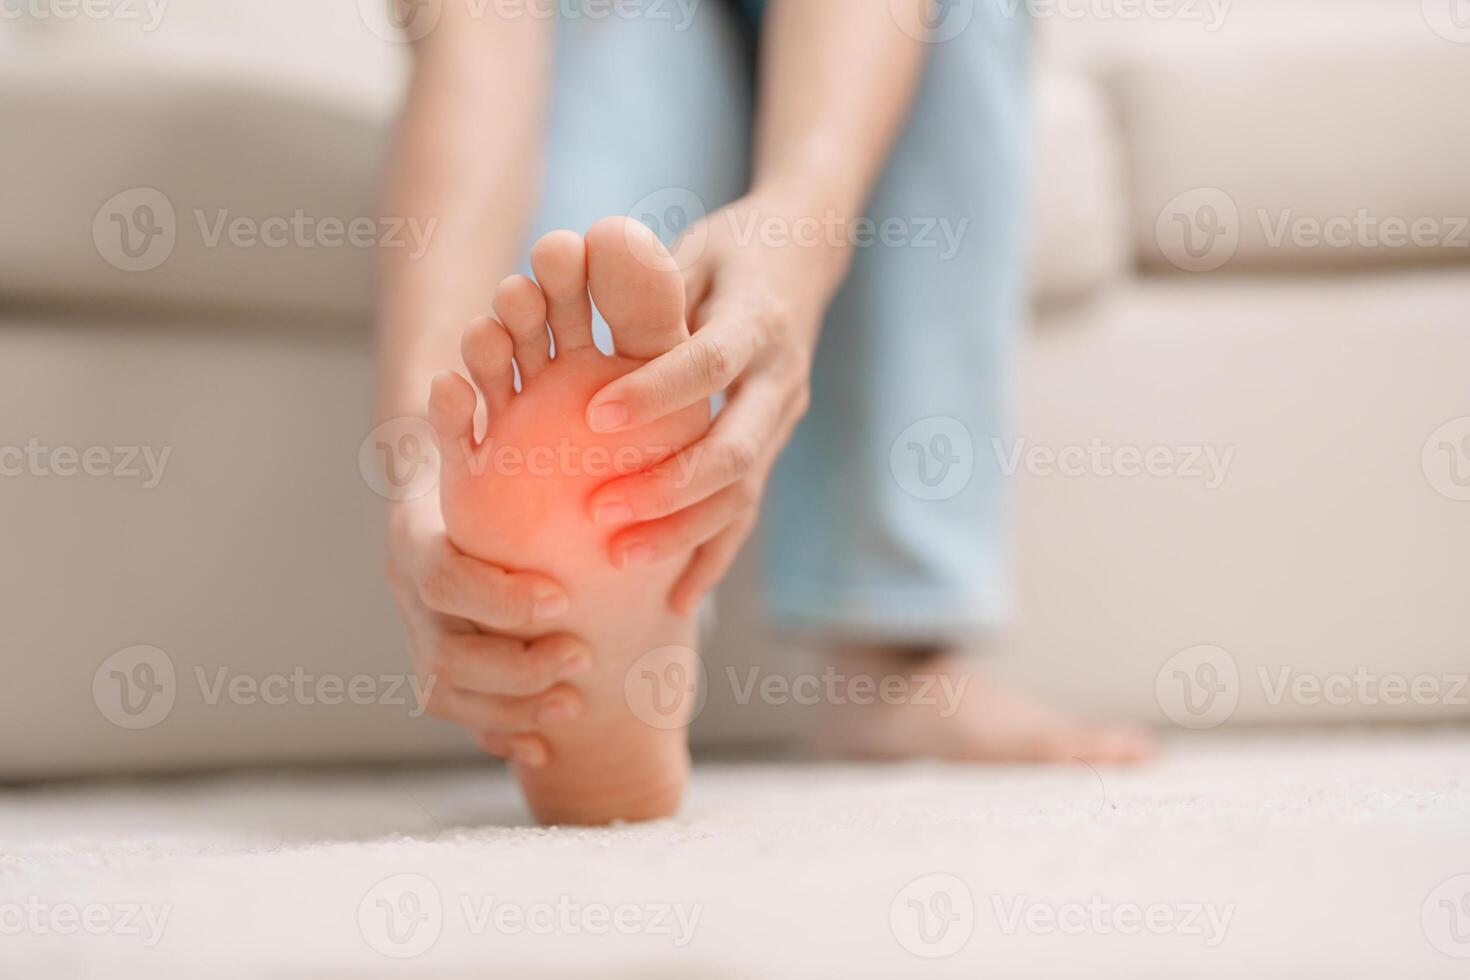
(885, 515)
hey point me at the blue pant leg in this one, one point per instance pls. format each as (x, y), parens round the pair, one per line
(886, 514)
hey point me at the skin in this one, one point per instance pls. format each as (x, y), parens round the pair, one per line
(837, 80)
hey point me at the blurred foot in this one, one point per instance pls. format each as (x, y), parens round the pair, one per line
(939, 707)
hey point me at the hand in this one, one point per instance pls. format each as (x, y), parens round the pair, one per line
(755, 310)
(455, 607)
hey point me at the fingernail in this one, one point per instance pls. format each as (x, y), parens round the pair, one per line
(573, 664)
(608, 417)
(554, 712)
(550, 606)
(613, 512)
(636, 554)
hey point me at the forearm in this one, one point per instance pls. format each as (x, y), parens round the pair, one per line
(837, 80)
(465, 159)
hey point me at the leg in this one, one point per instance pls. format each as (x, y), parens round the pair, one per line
(910, 388)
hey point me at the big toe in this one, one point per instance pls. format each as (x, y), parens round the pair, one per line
(637, 287)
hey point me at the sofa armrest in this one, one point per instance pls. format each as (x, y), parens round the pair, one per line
(1079, 231)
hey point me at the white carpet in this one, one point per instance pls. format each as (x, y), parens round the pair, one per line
(1331, 854)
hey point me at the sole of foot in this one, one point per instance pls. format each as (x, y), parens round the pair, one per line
(517, 497)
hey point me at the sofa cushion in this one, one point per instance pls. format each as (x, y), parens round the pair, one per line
(1299, 134)
(1301, 158)
(1079, 232)
(1328, 539)
(217, 160)
(227, 157)
(236, 535)
(195, 165)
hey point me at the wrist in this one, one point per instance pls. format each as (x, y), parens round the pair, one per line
(411, 519)
(818, 176)
(812, 235)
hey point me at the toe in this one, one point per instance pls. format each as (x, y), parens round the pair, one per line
(637, 287)
(522, 308)
(1114, 745)
(487, 351)
(1134, 744)
(559, 260)
(451, 410)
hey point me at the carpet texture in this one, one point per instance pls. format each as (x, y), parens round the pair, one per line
(1267, 854)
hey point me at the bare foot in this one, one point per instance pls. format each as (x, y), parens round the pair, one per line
(939, 707)
(518, 499)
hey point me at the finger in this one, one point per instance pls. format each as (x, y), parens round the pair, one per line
(697, 368)
(689, 254)
(455, 584)
(484, 664)
(530, 751)
(727, 454)
(710, 564)
(683, 531)
(503, 715)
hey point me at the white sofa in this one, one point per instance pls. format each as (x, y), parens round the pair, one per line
(1324, 578)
